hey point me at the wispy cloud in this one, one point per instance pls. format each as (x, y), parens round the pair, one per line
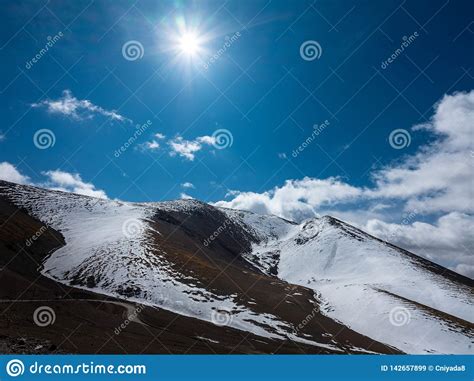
(178, 146)
(209, 140)
(79, 109)
(153, 144)
(188, 148)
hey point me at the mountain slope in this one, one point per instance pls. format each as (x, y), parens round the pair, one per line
(319, 287)
(373, 287)
(156, 255)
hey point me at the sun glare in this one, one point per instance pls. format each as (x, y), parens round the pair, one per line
(189, 43)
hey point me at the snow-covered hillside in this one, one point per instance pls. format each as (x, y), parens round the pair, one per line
(370, 286)
(376, 289)
(109, 250)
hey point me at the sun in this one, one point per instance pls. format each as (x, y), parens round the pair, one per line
(189, 43)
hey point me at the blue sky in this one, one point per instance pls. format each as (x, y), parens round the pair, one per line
(261, 93)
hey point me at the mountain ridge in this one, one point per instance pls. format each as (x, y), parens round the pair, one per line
(157, 254)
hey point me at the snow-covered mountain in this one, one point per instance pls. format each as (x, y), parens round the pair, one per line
(321, 284)
(369, 285)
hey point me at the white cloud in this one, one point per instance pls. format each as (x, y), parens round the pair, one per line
(153, 145)
(184, 148)
(72, 182)
(2, 137)
(188, 185)
(56, 180)
(210, 140)
(70, 106)
(439, 177)
(179, 146)
(188, 148)
(296, 199)
(8, 172)
(185, 196)
(436, 182)
(448, 240)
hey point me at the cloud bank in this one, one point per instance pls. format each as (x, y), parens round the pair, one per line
(55, 180)
(8, 172)
(72, 182)
(435, 186)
